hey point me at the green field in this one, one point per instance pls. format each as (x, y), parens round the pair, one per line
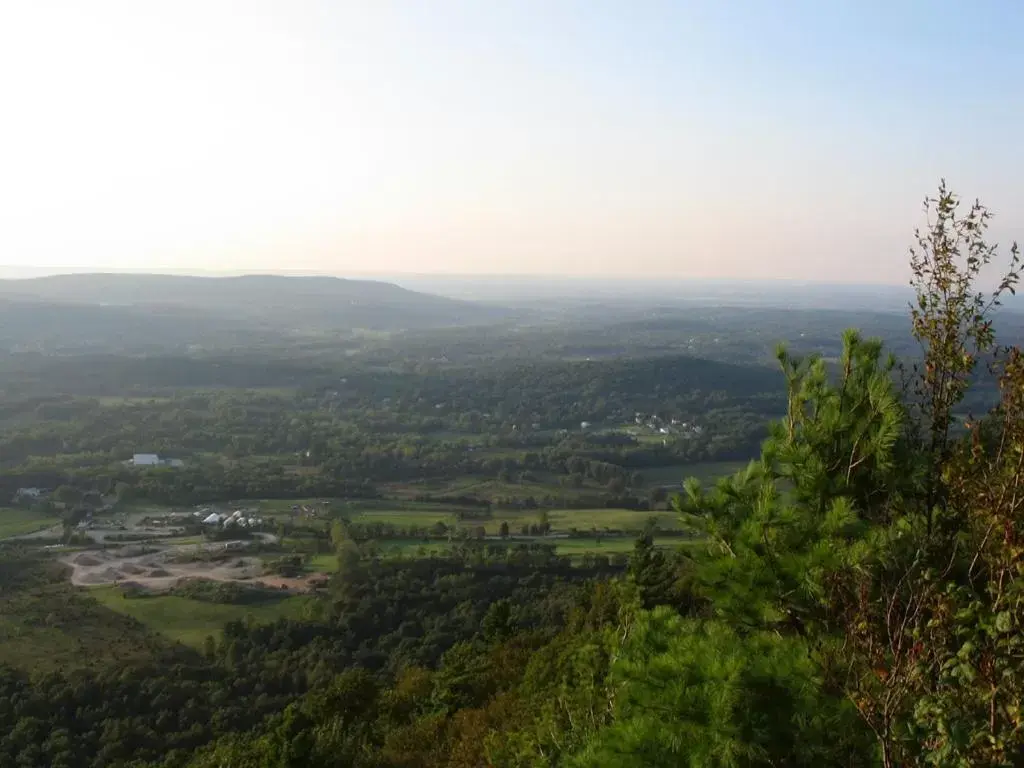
(427, 515)
(191, 621)
(561, 520)
(609, 546)
(609, 519)
(322, 563)
(489, 488)
(18, 522)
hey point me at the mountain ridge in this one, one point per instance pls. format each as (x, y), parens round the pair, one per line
(81, 309)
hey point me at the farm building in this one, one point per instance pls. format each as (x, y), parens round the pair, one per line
(153, 460)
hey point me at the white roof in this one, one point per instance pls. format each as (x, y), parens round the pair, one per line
(213, 518)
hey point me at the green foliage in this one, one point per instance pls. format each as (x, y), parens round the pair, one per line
(697, 693)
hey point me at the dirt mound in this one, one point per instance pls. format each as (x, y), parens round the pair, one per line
(87, 560)
(91, 578)
(132, 570)
(132, 586)
(158, 573)
(281, 582)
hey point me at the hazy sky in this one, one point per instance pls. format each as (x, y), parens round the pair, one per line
(734, 138)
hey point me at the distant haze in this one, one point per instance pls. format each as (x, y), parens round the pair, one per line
(744, 140)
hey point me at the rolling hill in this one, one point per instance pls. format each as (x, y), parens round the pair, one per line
(137, 311)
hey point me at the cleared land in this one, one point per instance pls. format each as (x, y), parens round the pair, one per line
(156, 569)
(322, 563)
(561, 520)
(19, 522)
(192, 621)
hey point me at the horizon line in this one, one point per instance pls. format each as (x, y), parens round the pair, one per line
(17, 272)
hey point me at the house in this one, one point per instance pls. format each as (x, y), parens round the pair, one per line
(153, 460)
(29, 495)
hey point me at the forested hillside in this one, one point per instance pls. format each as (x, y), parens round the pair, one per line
(441, 580)
(140, 312)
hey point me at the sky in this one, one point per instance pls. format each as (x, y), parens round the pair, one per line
(743, 139)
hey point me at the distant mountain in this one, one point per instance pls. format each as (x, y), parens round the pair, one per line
(581, 293)
(89, 309)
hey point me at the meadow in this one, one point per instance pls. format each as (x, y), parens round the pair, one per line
(18, 522)
(190, 621)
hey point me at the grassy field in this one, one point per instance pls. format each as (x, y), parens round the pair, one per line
(403, 511)
(488, 488)
(18, 522)
(191, 621)
(609, 546)
(609, 519)
(561, 520)
(322, 563)
(427, 515)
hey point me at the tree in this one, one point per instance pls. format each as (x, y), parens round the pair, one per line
(346, 549)
(503, 529)
(498, 623)
(652, 573)
(67, 495)
(951, 321)
(894, 551)
(699, 694)
(123, 492)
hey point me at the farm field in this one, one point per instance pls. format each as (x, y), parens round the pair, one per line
(322, 563)
(609, 546)
(191, 621)
(486, 488)
(18, 522)
(561, 520)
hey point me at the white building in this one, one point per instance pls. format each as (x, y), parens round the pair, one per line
(153, 460)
